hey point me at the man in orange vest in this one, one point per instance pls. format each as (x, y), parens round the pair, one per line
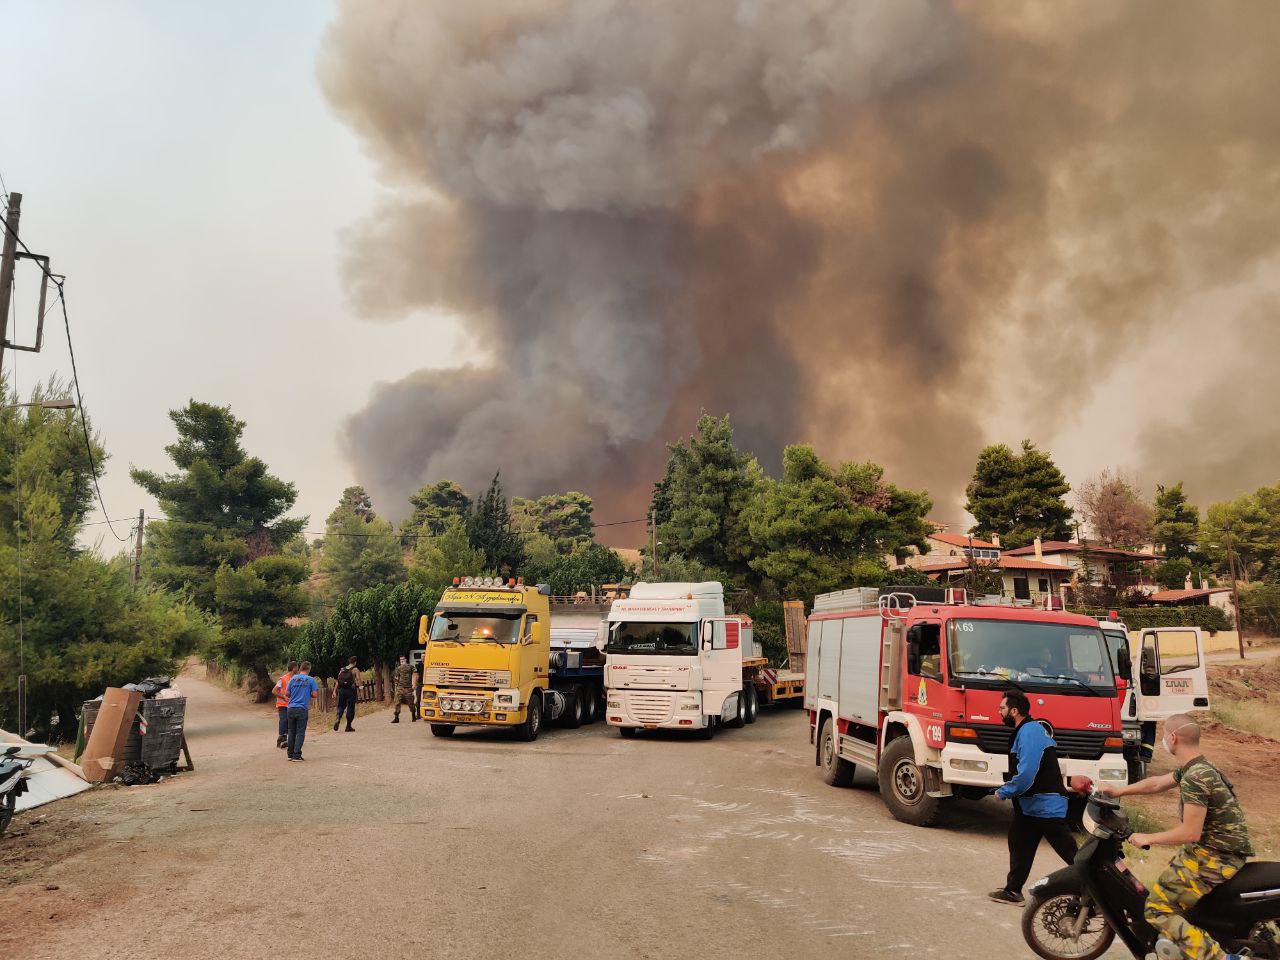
(281, 690)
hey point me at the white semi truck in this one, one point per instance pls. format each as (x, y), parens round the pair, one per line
(674, 660)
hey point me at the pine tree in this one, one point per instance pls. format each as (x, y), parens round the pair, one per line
(361, 550)
(490, 531)
(437, 560)
(1177, 522)
(1019, 496)
(433, 505)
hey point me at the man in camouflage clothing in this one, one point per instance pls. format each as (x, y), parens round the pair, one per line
(1212, 840)
(403, 693)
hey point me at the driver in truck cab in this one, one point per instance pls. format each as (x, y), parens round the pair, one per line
(1213, 839)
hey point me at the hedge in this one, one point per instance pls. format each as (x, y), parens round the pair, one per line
(1208, 618)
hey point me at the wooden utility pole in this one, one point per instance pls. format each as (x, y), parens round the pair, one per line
(137, 550)
(653, 544)
(7, 261)
(1235, 592)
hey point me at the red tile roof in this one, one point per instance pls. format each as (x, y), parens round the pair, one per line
(1004, 563)
(960, 540)
(1070, 546)
(1173, 596)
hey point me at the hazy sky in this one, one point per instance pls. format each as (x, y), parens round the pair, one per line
(179, 164)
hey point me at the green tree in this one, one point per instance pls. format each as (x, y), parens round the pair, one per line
(1115, 511)
(1019, 496)
(1250, 525)
(254, 602)
(70, 621)
(1176, 523)
(591, 565)
(223, 505)
(817, 526)
(1172, 573)
(433, 506)
(565, 518)
(676, 568)
(361, 550)
(438, 560)
(490, 531)
(699, 503)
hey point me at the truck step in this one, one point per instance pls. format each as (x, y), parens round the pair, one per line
(858, 751)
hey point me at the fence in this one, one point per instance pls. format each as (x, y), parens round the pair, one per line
(366, 692)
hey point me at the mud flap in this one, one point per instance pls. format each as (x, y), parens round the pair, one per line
(933, 784)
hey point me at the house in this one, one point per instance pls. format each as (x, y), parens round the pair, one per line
(953, 545)
(1219, 597)
(1110, 566)
(1022, 578)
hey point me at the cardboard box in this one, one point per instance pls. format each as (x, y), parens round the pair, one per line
(104, 753)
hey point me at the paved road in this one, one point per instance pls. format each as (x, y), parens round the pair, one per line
(389, 843)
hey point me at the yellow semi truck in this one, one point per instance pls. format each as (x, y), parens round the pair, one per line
(494, 658)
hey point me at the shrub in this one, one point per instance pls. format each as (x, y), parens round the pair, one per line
(1207, 618)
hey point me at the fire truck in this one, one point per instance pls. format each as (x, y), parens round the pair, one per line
(675, 660)
(1171, 679)
(906, 683)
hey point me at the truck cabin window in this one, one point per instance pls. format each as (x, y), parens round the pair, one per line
(1050, 657)
(475, 628)
(924, 642)
(666, 639)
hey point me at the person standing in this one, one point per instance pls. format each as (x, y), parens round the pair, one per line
(281, 690)
(403, 691)
(302, 690)
(1212, 837)
(348, 689)
(1035, 787)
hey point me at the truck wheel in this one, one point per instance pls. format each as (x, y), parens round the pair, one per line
(572, 717)
(628, 732)
(836, 770)
(590, 703)
(753, 702)
(709, 731)
(442, 729)
(902, 785)
(532, 726)
(740, 716)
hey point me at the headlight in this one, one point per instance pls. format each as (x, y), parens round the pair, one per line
(1121, 776)
(1130, 733)
(690, 706)
(615, 704)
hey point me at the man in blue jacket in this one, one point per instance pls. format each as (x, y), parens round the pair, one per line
(1035, 787)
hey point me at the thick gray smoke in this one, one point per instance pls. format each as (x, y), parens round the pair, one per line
(844, 222)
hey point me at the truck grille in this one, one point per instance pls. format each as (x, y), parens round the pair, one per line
(1074, 744)
(461, 677)
(650, 707)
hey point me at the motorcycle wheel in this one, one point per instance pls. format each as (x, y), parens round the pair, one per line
(7, 805)
(1047, 924)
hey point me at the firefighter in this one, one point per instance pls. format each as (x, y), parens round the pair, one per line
(1035, 787)
(1213, 838)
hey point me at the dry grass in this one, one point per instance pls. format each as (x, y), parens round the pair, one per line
(1258, 717)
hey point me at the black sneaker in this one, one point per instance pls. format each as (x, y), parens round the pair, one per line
(1006, 896)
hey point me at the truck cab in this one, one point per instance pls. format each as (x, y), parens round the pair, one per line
(675, 661)
(1167, 677)
(907, 683)
(487, 657)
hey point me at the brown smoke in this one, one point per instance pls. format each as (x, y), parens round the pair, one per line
(861, 224)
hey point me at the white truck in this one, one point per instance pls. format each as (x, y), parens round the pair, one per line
(673, 660)
(1170, 679)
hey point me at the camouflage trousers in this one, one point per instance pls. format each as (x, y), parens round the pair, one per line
(402, 695)
(1192, 873)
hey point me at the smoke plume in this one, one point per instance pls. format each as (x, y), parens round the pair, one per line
(862, 224)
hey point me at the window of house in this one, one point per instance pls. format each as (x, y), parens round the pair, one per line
(1021, 588)
(1044, 584)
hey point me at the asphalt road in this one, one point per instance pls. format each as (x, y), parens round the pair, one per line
(389, 842)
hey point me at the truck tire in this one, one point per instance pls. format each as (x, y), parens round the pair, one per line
(532, 726)
(740, 716)
(709, 731)
(836, 770)
(590, 703)
(902, 785)
(572, 716)
(627, 733)
(753, 702)
(442, 729)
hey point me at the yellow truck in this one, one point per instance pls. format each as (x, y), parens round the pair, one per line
(494, 658)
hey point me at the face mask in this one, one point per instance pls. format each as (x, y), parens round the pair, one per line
(1164, 742)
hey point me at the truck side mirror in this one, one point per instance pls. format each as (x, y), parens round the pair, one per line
(1124, 664)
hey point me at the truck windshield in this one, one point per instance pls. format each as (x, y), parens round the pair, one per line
(667, 639)
(1060, 657)
(474, 628)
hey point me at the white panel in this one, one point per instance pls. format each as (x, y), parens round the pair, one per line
(829, 660)
(860, 669)
(811, 665)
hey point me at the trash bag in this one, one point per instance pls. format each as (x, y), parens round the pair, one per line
(150, 686)
(136, 774)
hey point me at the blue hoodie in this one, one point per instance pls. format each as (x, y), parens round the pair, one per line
(1029, 745)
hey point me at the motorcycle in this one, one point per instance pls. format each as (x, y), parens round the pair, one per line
(12, 784)
(1076, 913)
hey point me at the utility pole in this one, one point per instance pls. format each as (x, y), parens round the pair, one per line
(653, 543)
(7, 261)
(1235, 591)
(137, 551)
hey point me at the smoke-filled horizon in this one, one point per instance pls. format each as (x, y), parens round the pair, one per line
(863, 225)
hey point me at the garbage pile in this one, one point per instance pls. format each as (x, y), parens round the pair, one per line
(134, 734)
